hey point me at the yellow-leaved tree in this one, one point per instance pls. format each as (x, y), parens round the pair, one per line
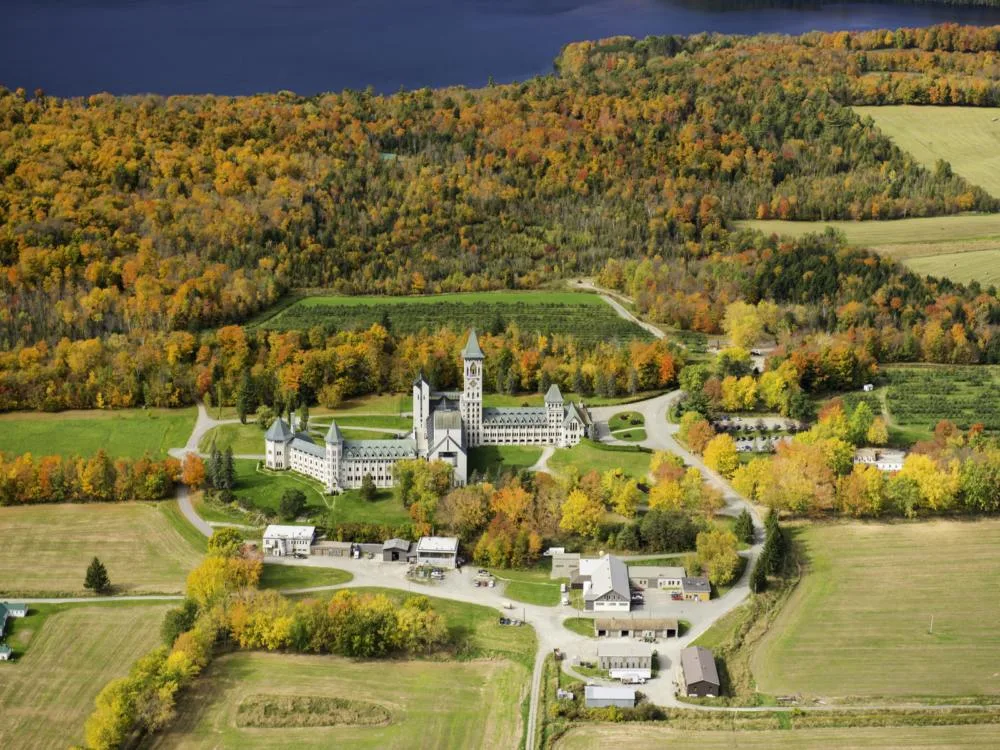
(581, 514)
(720, 455)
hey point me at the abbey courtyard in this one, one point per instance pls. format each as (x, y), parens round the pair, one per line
(446, 425)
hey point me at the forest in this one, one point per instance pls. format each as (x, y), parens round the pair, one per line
(131, 227)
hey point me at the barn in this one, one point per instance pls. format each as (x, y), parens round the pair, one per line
(597, 696)
(699, 675)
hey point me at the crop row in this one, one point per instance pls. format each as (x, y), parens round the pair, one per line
(587, 323)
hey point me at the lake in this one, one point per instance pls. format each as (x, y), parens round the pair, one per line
(78, 47)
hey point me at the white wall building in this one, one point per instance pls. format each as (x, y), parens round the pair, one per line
(445, 426)
(280, 541)
(605, 585)
(881, 458)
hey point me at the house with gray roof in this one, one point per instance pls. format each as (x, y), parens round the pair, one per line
(605, 585)
(598, 696)
(699, 676)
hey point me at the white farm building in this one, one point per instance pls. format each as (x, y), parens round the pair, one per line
(280, 541)
(445, 426)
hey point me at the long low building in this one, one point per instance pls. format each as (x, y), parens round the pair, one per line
(598, 696)
(656, 577)
(625, 655)
(638, 627)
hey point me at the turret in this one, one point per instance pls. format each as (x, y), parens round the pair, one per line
(334, 450)
(277, 440)
(421, 411)
(554, 413)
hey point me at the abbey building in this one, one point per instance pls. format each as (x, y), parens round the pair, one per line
(445, 426)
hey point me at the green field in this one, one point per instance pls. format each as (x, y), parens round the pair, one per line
(643, 736)
(533, 586)
(580, 625)
(350, 507)
(128, 432)
(46, 695)
(47, 548)
(589, 456)
(982, 266)
(585, 316)
(262, 489)
(968, 138)
(300, 577)
(489, 460)
(471, 704)
(858, 624)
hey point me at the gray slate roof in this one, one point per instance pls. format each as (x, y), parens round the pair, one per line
(554, 395)
(515, 415)
(333, 435)
(696, 585)
(308, 446)
(472, 350)
(379, 449)
(278, 431)
(698, 664)
(610, 575)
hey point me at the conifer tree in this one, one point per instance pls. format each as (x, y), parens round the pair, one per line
(97, 579)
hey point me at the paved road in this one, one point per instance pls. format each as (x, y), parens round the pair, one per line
(612, 298)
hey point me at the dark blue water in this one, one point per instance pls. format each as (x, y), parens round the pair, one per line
(76, 47)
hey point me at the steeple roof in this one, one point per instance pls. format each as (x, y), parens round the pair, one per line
(278, 431)
(333, 435)
(554, 395)
(472, 350)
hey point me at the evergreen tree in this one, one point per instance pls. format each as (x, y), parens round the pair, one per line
(578, 384)
(758, 579)
(744, 527)
(214, 468)
(544, 381)
(246, 400)
(368, 489)
(228, 470)
(303, 415)
(292, 503)
(633, 382)
(97, 578)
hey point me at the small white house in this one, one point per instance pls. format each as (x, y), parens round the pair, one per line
(280, 541)
(868, 387)
(5, 652)
(880, 458)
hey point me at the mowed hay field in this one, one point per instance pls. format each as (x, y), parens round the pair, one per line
(963, 248)
(858, 623)
(46, 695)
(472, 704)
(127, 432)
(643, 736)
(968, 138)
(585, 316)
(47, 548)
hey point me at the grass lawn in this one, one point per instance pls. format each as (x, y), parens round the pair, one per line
(349, 507)
(633, 435)
(643, 736)
(125, 433)
(489, 460)
(968, 138)
(531, 586)
(580, 625)
(626, 419)
(75, 650)
(263, 489)
(301, 577)
(473, 704)
(242, 438)
(867, 597)
(47, 547)
(589, 456)
(982, 266)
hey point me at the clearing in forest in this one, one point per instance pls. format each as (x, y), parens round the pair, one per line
(586, 317)
(968, 138)
(859, 622)
(963, 248)
(146, 547)
(72, 652)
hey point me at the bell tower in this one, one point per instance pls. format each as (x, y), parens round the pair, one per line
(472, 393)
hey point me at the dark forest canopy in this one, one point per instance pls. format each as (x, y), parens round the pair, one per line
(138, 215)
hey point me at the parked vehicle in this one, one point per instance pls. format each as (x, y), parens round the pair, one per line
(677, 596)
